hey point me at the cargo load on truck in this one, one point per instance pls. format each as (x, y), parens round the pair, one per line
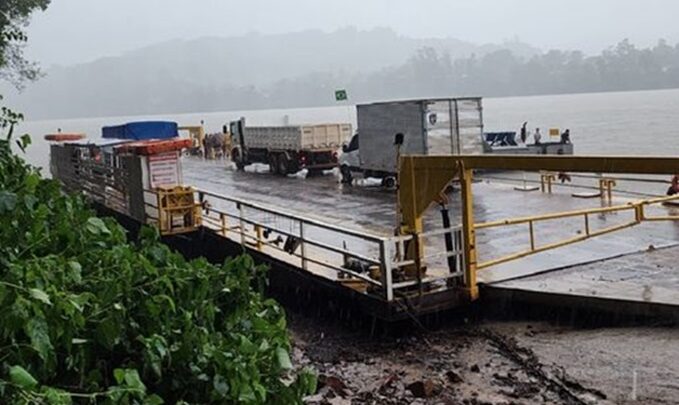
(288, 149)
(142, 130)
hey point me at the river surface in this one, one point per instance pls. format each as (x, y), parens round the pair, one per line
(625, 123)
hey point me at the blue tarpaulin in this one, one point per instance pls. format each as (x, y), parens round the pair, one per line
(142, 130)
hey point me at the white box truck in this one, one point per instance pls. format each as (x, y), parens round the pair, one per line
(429, 127)
(288, 149)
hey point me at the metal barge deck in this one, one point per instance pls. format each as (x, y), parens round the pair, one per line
(571, 271)
(390, 260)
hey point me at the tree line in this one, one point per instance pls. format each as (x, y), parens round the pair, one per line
(130, 85)
(623, 67)
(432, 73)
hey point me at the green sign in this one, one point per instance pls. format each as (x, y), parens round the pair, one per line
(341, 95)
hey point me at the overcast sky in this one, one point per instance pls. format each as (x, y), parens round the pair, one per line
(81, 30)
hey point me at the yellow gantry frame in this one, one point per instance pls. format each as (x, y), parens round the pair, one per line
(423, 180)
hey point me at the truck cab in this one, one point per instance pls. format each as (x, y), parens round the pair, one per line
(350, 160)
(350, 163)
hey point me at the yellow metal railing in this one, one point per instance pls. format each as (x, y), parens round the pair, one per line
(423, 179)
(659, 200)
(638, 208)
(325, 249)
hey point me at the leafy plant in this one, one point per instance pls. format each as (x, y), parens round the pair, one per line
(86, 317)
(14, 15)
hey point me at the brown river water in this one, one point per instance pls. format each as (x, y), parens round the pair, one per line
(625, 123)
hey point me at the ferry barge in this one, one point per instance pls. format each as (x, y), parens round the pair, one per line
(389, 258)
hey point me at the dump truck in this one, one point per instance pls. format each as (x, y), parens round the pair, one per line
(288, 149)
(427, 126)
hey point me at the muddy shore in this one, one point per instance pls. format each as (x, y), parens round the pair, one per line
(490, 363)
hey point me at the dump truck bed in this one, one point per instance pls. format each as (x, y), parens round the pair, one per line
(303, 137)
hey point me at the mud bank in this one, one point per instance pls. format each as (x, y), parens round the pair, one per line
(491, 363)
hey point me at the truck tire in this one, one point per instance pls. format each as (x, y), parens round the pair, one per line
(283, 165)
(273, 164)
(237, 158)
(347, 177)
(389, 182)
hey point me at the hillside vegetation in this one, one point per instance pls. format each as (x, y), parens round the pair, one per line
(303, 70)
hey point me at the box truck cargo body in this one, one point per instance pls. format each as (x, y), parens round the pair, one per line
(429, 127)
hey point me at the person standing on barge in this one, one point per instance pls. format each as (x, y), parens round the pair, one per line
(524, 133)
(537, 136)
(674, 188)
(566, 137)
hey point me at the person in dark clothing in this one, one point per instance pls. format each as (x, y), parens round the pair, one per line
(524, 133)
(674, 188)
(566, 136)
(537, 136)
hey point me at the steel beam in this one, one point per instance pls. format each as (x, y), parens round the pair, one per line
(558, 163)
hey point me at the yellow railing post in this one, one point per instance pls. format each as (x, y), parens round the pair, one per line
(639, 212)
(546, 180)
(222, 219)
(302, 246)
(606, 188)
(466, 179)
(532, 235)
(242, 224)
(258, 232)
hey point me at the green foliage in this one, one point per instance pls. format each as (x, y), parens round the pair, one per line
(89, 318)
(14, 16)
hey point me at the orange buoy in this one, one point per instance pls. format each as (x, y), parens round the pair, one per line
(61, 137)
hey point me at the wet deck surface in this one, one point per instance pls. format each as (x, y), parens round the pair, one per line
(649, 277)
(372, 209)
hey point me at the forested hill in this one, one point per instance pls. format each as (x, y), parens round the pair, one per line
(303, 69)
(622, 67)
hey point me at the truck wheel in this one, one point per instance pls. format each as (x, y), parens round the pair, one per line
(238, 159)
(389, 182)
(347, 177)
(283, 165)
(273, 164)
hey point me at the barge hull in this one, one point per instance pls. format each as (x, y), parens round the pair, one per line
(294, 286)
